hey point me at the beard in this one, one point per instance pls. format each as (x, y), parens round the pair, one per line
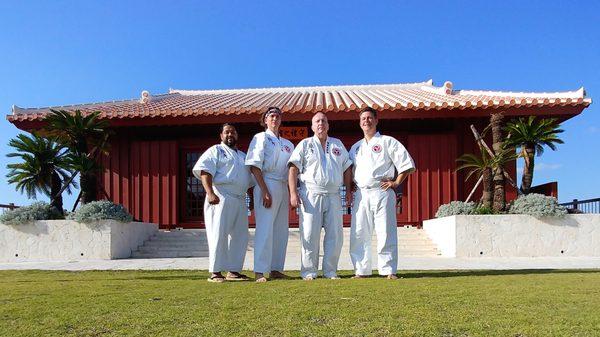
(230, 141)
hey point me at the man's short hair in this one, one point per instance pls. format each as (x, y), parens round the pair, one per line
(227, 124)
(268, 111)
(369, 109)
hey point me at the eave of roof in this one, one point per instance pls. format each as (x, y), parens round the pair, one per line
(409, 97)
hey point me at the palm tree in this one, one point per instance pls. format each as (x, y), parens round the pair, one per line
(487, 166)
(41, 170)
(479, 166)
(85, 136)
(531, 135)
(499, 203)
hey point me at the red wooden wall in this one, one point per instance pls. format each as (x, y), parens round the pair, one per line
(143, 177)
(434, 182)
(146, 175)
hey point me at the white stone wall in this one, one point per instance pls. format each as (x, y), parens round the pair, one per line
(515, 235)
(66, 240)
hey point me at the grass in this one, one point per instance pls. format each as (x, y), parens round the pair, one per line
(182, 303)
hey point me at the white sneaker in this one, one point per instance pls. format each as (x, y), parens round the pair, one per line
(308, 278)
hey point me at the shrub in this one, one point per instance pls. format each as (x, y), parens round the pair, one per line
(483, 210)
(455, 208)
(26, 214)
(537, 205)
(100, 210)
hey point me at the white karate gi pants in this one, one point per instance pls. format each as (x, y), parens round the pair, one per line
(320, 210)
(272, 227)
(227, 232)
(374, 209)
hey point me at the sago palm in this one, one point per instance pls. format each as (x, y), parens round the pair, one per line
(531, 135)
(85, 136)
(42, 168)
(479, 166)
(486, 166)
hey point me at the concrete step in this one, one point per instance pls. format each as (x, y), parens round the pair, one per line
(147, 249)
(160, 255)
(177, 247)
(193, 243)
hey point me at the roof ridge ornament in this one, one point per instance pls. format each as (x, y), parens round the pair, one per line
(446, 89)
(145, 97)
(15, 109)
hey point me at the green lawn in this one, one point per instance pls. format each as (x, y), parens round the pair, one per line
(182, 303)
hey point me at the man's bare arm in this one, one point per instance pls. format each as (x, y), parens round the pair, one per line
(206, 179)
(395, 183)
(293, 186)
(266, 195)
(348, 185)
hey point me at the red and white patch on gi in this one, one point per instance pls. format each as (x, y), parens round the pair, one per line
(336, 151)
(287, 149)
(376, 148)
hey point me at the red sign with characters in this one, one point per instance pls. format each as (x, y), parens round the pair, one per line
(293, 132)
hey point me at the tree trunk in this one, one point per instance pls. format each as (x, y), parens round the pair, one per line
(56, 200)
(88, 184)
(499, 190)
(527, 179)
(499, 204)
(486, 199)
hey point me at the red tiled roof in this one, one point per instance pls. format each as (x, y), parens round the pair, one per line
(393, 97)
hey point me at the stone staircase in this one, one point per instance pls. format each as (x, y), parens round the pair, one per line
(412, 242)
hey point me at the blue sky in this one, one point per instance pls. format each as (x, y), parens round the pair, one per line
(66, 52)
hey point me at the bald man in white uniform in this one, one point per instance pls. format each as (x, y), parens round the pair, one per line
(323, 165)
(225, 179)
(376, 160)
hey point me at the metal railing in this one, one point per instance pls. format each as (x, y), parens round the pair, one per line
(4, 208)
(585, 206)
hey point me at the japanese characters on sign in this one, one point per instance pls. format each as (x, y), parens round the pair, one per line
(293, 132)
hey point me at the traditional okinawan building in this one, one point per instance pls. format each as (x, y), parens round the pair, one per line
(158, 138)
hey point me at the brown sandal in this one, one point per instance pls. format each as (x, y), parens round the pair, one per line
(276, 275)
(235, 276)
(216, 279)
(260, 277)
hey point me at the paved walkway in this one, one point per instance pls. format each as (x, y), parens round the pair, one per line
(293, 263)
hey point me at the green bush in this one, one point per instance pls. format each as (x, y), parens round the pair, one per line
(537, 205)
(26, 214)
(481, 210)
(456, 208)
(100, 210)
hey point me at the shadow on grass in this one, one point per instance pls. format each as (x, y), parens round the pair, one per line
(202, 275)
(463, 273)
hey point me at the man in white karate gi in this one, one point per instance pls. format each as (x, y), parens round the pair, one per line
(323, 166)
(381, 163)
(267, 159)
(226, 180)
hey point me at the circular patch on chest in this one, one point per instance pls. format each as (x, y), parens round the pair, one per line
(287, 149)
(336, 151)
(376, 148)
